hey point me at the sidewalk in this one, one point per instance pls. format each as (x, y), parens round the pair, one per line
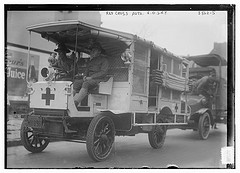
(13, 130)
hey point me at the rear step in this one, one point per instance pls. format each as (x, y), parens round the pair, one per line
(83, 108)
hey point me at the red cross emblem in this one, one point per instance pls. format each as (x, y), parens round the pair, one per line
(48, 96)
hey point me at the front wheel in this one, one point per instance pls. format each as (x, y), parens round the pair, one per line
(204, 125)
(30, 140)
(100, 137)
(157, 136)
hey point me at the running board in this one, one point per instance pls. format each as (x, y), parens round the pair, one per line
(59, 139)
(155, 124)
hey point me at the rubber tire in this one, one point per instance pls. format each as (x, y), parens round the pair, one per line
(201, 123)
(28, 143)
(91, 134)
(152, 136)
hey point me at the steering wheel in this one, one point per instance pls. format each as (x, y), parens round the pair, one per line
(60, 71)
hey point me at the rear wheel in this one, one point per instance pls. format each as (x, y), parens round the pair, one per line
(157, 136)
(100, 137)
(30, 140)
(204, 126)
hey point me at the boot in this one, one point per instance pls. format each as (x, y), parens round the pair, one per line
(80, 96)
(67, 130)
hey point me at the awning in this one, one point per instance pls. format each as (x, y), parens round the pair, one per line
(208, 60)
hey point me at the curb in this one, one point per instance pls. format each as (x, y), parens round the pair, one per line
(14, 143)
(13, 130)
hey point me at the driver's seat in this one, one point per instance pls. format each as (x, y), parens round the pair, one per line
(103, 87)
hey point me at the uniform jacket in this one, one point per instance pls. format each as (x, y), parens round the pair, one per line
(97, 68)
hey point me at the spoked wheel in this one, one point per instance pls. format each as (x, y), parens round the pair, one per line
(204, 125)
(157, 136)
(30, 140)
(100, 137)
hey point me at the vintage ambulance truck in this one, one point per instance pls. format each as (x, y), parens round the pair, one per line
(146, 92)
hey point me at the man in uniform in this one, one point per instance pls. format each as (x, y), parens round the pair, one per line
(204, 86)
(96, 71)
(64, 62)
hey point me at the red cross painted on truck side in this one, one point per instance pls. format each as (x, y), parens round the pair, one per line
(48, 96)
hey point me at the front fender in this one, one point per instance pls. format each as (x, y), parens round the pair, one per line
(196, 115)
(202, 111)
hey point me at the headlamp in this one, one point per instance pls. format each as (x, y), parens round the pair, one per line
(48, 73)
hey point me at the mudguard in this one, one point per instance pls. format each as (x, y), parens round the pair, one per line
(202, 111)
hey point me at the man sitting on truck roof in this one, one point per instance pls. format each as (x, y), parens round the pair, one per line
(95, 73)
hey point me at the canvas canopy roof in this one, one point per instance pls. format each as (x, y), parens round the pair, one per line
(79, 36)
(73, 32)
(208, 60)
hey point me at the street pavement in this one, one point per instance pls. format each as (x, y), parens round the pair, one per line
(182, 148)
